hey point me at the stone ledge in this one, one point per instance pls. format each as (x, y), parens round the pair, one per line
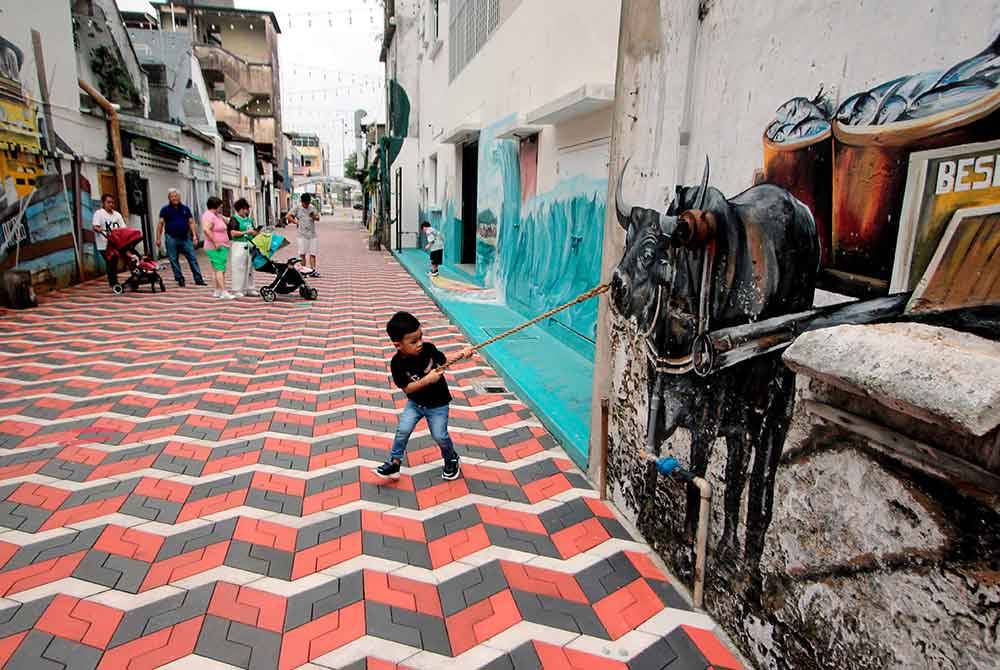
(934, 374)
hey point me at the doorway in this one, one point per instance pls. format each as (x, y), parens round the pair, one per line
(470, 206)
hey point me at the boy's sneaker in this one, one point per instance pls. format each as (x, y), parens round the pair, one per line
(451, 469)
(433, 274)
(388, 470)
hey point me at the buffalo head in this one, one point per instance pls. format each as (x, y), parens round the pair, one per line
(648, 262)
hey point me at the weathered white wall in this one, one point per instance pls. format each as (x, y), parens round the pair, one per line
(541, 50)
(731, 63)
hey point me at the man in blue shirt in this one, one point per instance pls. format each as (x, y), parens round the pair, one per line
(182, 236)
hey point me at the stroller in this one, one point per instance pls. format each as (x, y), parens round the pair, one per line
(287, 277)
(122, 243)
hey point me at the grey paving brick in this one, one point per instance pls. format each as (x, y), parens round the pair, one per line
(451, 521)
(523, 657)
(389, 495)
(100, 492)
(260, 560)
(56, 547)
(495, 490)
(179, 464)
(117, 572)
(522, 540)
(607, 576)
(409, 552)
(196, 538)
(535, 471)
(238, 644)
(331, 480)
(316, 602)
(19, 618)
(667, 594)
(468, 588)
(328, 529)
(561, 614)
(411, 628)
(274, 501)
(661, 655)
(162, 614)
(154, 509)
(565, 515)
(220, 486)
(615, 528)
(25, 518)
(133, 453)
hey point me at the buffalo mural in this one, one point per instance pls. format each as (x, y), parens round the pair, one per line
(710, 262)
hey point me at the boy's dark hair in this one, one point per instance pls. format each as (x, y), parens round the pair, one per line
(425, 224)
(105, 196)
(241, 204)
(400, 325)
(214, 203)
(306, 199)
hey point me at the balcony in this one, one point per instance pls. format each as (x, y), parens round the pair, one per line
(261, 129)
(254, 79)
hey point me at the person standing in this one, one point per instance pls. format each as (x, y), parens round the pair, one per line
(216, 232)
(242, 232)
(305, 217)
(434, 246)
(182, 236)
(106, 219)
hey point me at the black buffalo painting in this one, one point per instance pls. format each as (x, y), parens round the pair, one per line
(710, 263)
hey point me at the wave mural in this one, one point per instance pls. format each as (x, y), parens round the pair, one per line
(538, 251)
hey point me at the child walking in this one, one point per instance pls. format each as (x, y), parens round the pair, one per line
(415, 369)
(434, 246)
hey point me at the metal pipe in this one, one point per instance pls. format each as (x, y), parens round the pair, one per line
(701, 542)
(114, 129)
(602, 475)
(671, 467)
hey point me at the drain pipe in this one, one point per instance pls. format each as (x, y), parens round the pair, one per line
(671, 467)
(116, 143)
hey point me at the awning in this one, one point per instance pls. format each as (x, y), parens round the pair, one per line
(180, 151)
(584, 100)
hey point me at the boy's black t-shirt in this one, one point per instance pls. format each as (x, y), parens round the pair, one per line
(409, 369)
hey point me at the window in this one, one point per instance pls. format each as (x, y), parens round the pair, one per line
(471, 24)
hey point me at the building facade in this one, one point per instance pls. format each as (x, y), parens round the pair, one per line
(237, 51)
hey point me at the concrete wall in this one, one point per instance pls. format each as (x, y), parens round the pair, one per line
(699, 79)
(553, 233)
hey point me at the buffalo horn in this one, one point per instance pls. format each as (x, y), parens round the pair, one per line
(623, 209)
(704, 188)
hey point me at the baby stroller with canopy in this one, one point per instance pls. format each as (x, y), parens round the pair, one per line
(288, 276)
(122, 243)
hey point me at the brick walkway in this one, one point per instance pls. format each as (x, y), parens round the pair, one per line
(186, 483)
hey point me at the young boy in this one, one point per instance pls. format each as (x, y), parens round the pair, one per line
(434, 246)
(415, 370)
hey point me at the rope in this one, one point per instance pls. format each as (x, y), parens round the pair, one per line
(583, 297)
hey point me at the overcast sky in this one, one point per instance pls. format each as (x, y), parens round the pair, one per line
(328, 50)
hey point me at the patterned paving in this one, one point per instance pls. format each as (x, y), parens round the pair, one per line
(186, 483)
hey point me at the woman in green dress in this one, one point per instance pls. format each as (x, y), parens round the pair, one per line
(242, 231)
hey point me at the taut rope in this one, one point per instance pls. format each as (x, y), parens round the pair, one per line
(583, 297)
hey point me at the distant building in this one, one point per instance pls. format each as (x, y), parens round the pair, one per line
(237, 50)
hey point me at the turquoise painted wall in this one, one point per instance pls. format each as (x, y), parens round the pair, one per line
(547, 251)
(553, 255)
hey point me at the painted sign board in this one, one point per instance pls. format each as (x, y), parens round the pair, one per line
(939, 183)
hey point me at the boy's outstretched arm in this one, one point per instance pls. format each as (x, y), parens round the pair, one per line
(468, 352)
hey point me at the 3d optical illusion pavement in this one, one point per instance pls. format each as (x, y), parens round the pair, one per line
(186, 483)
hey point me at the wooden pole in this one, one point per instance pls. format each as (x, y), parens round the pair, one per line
(602, 481)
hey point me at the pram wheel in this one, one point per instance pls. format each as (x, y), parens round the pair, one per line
(117, 289)
(308, 292)
(268, 294)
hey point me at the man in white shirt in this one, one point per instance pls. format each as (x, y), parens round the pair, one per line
(106, 219)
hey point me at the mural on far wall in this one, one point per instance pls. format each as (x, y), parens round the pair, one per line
(716, 287)
(36, 229)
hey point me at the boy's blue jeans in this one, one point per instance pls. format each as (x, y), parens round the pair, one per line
(437, 419)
